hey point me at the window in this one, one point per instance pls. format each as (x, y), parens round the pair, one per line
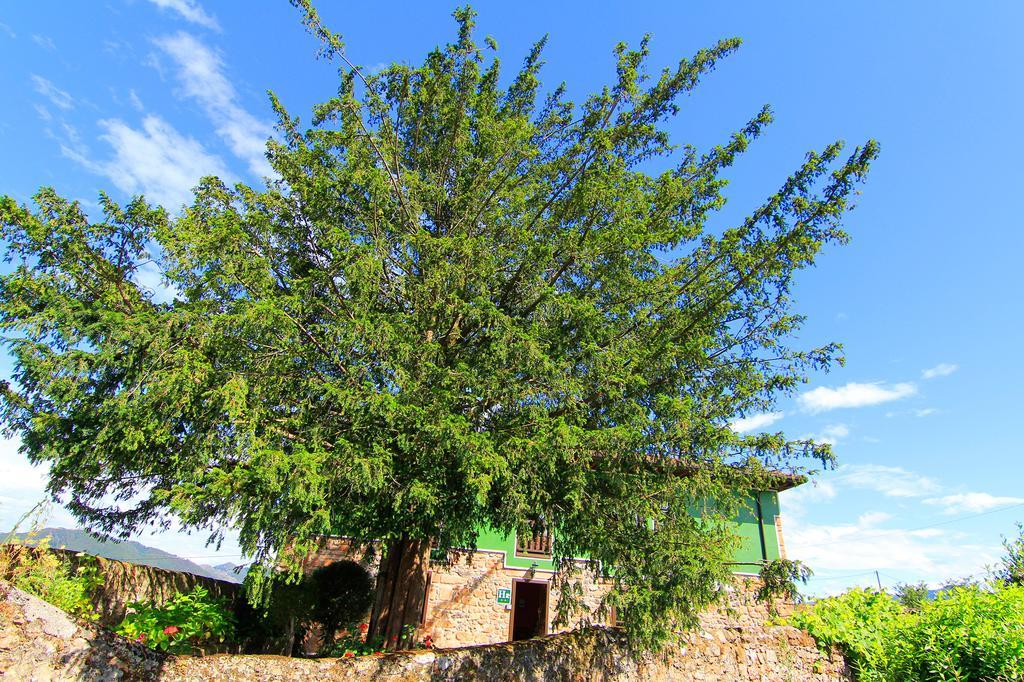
(537, 545)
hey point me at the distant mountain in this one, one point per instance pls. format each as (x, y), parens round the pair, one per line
(239, 571)
(134, 553)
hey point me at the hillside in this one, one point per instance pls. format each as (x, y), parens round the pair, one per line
(135, 553)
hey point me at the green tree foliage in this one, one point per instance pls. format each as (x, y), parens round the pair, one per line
(781, 578)
(966, 633)
(1011, 568)
(912, 595)
(343, 596)
(463, 300)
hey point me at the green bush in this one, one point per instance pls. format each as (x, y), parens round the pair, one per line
(188, 623)
(1011, 570)
(52, 578)
(343, 595)
(912, 595)
(967, 633)
(861, 622)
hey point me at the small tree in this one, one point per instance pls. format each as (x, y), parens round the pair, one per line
(1011, 570)
(912, 595)
(458, 304)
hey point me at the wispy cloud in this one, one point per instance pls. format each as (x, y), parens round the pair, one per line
(150, 277)
(924, 412)
(755, 421)
(972, 503)
(190, 11)
(136, 102)
(832, 434)
(823, 398)
(8, 30)
(929, 553)
(943, 369)
(22, 486)
(200, 71)
(45, 42)
(59, 98)
(888, 480)
(155, 160)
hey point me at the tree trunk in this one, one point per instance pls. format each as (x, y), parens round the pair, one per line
(401, 593)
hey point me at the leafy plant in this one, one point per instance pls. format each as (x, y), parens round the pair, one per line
(779, 579)
(355, 642)
(188, 623)
(912, 596)
(967, 633)
(27, 563)
(861, 622)
(1011, 570)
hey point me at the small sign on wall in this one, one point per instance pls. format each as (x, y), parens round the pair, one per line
(504, 595)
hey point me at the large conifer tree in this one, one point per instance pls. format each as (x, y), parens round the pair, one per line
(463, 301)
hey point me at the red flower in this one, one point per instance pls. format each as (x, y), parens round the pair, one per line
(172, 630)
(348, 654)
(141, 637)
(363, 627)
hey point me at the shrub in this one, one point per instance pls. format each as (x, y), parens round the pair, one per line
(343, 595)
(52, 578)
(912, 595)
(188, 623)
(860, 622)
(1011, 569)
(967, 633)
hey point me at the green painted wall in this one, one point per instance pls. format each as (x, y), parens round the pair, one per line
(748, 556)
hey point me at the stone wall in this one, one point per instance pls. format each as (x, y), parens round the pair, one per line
(40, 642)
(124, 583)
(463, 609)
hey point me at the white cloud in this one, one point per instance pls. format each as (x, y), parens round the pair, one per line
(190, 11)
(8, 30)
(925, 412)
(44, 113)
(16, 473)
(45, 42)
(796, 500)
(930, 554)
(854, 395)
(890, 481)
(873, 518)
(200, 71)
(149, 277)
(831, 434)
(59, 98)
(136, 102)
(22, 487)
(972, 503)
(755, 421)
(943, 369)
(157, 161)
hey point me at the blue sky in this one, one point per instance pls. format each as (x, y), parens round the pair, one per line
(147, 95)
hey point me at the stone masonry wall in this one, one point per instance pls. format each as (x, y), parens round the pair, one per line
(124, 583)
(40, 642)
(463, 608)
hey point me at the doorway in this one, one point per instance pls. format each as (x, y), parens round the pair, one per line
(529, 609)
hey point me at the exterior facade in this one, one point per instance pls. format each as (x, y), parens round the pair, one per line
(504, 591)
